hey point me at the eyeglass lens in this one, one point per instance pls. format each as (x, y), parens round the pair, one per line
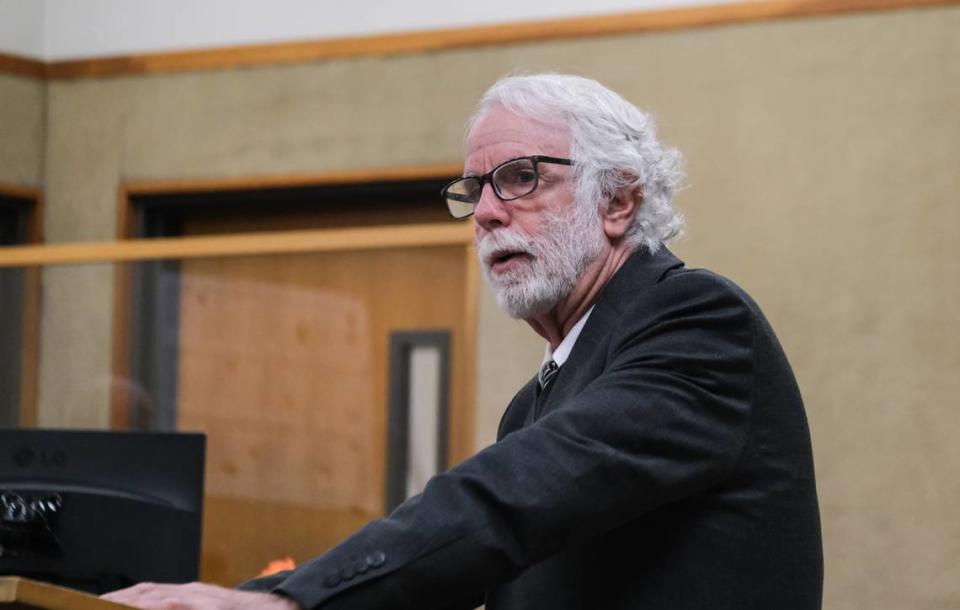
(515, 179)
(511, 180)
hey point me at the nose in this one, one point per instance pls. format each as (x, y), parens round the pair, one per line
(490, 211)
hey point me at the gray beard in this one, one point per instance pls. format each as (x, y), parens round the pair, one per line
(562, 250)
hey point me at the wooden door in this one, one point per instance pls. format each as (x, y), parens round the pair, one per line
(282, 361)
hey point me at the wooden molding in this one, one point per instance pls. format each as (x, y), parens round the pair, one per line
(21, 192)
(22, 66)
(28, 594)
(279, 242)
(438, 40)
(366, 175)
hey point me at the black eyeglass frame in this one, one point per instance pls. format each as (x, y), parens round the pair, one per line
(488, 178)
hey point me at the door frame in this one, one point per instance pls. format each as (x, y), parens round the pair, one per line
(130, 225)
(30, 201)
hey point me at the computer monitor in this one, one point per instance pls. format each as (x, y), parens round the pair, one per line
(98, 511)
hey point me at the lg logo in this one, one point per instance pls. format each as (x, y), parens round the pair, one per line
(25, 457)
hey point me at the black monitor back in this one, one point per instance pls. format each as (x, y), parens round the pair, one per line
(98, 511)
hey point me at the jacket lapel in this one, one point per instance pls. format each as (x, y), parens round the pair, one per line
(588, 358)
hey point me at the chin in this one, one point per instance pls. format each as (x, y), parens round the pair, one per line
(524, 301)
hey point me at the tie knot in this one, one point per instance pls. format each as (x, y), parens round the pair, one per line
(547, 372)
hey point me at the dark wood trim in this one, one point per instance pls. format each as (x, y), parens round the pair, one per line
(22, 192)
(244, 244)
(22, 66)
(357, 176)
(454, 38)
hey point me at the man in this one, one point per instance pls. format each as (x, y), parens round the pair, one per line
(661, 459)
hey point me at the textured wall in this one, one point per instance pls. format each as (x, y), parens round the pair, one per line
(822, 160)
(21, 130)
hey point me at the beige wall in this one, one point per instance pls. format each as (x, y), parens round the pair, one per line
(21, 130)
(822, 159)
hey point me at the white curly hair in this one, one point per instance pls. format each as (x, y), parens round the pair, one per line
(613, 146)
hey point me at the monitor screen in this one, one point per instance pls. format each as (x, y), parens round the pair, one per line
(98, 511)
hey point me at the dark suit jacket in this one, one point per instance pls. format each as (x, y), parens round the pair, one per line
(667, 466)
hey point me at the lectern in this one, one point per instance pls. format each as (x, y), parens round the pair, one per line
(23, 594)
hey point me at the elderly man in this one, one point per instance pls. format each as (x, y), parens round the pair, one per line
(660, 460)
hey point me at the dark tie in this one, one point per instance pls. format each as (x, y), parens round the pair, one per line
(547, 372)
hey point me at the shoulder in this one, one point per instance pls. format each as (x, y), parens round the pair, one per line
(686, 282)
(686, 312)
(648, 281)
(687, 292)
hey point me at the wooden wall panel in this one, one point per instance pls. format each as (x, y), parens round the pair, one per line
(282, 363)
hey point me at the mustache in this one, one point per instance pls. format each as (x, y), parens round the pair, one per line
(500, 241)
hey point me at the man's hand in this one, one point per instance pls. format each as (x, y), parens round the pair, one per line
(197, 596)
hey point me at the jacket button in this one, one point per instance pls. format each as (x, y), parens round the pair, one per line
(347, 573)
(332, 580)
(376, 559)
(360, 566)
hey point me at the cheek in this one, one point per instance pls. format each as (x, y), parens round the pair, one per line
(535, 230)
(527, 222)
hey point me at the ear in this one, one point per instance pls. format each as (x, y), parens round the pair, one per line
(620, 210)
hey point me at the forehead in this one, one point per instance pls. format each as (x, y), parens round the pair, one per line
(501, 134)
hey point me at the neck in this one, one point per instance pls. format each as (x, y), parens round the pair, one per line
(554, 324)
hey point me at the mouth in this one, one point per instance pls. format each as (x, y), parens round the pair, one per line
(503, 260)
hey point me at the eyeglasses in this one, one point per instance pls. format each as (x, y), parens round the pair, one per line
(511, 180)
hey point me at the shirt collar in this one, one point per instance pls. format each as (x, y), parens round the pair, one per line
(563, 350)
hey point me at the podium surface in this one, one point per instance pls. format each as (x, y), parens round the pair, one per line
(23, 594)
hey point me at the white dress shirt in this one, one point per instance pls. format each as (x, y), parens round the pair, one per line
(563, 350)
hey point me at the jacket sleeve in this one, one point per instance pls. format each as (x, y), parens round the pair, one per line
(666, 419)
